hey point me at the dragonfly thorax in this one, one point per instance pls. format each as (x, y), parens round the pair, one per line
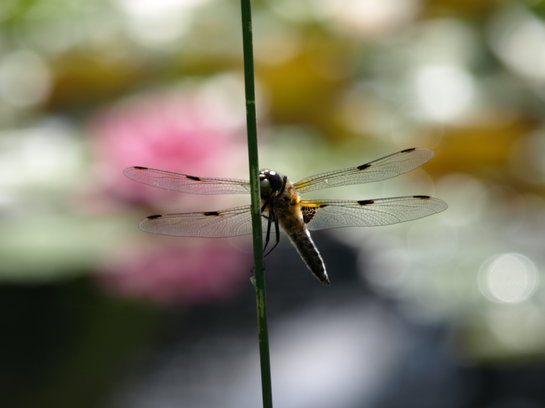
(269, 182)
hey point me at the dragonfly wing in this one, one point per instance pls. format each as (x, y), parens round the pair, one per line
(212, 224)
(324, 214)
(187, 184)
(377, 170)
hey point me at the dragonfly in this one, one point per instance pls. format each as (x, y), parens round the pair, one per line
(282, 205)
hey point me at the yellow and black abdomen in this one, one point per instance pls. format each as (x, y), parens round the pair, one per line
(290, 217)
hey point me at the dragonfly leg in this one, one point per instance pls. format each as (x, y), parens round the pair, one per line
(268, 235)
(277, 232)
(273, 217)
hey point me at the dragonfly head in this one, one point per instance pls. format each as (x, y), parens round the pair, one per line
(270, 182)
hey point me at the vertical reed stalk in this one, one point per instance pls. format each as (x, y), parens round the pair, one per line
(251, 121)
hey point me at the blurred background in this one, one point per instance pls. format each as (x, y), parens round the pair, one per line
(448, 311)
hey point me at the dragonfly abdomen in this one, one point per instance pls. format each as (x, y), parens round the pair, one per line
(308, 251)
(290, 216)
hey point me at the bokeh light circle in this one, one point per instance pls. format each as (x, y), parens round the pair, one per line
(508, 278)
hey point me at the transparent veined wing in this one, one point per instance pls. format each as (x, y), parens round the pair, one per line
(185, 183)
(324, 214)
(377, 170)
(211, 224)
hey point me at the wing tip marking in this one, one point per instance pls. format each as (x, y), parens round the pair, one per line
(194, 178)
(212, 213)
(422, 197)
(364, 166)
(153, 217)
(139, 168)
(408, 150)
(366, 202)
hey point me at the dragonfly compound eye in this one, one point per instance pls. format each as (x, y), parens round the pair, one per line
(270, 182)
(274, 179)
(264, 184)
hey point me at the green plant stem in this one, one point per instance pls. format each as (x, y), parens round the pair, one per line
(251, 122)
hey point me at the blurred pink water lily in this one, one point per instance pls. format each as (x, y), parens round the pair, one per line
(194, 132)
(180, 275)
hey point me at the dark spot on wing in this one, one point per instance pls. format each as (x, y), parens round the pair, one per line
(310, 212)
(213, 213)
(422, 197)
(408, 150)
(152, 217)
(364, 166)
(194, 178)
(140, 168)
(366, 202)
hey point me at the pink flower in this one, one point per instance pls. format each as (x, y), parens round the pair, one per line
(180, 275)
(198, 133)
